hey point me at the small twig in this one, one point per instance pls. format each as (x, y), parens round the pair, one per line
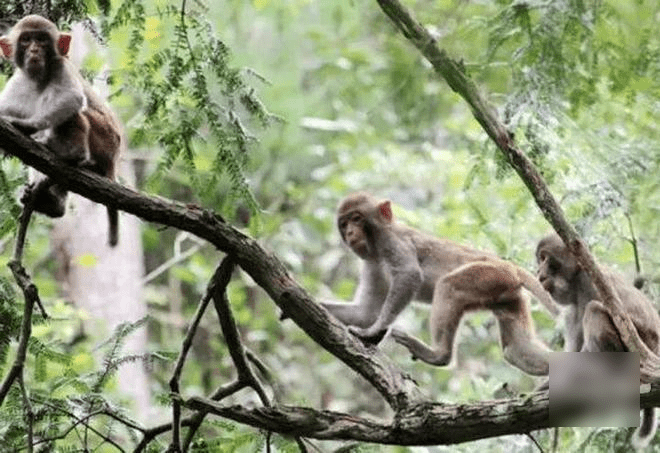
(31, 295)
(197, 419)
(24, 221)
(79, 421)
(187, 344)
(231, 334)
(178, 257)
(535, 442)
(29, 415)
(176, 375)
(639, 280)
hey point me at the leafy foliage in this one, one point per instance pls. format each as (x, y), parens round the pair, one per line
(189, 95)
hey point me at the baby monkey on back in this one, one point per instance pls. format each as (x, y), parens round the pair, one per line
(47, 98)
(402, 264)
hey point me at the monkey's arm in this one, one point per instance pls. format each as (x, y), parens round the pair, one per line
(17, 99)
(369, 297)
(406, 280)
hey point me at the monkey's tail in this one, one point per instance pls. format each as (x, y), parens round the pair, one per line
(531, 284)
(113, 226)
(646, 430)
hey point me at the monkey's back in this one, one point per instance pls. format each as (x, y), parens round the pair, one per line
(105, 134)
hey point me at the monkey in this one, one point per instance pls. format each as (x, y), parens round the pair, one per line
(47, 98)
(401, 264)
(588, 326)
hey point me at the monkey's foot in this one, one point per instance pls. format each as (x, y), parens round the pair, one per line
(89, 164)
(28, 189)
(367, 337)
(420, 351)
(405, 340)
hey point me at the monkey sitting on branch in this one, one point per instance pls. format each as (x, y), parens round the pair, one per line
(588, 326)
(47, 98)
(402, 264)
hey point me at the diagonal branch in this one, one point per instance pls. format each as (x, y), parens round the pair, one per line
(454, 73)
(264, 268)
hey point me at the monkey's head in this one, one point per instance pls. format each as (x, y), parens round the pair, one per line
(35, 45)
(558, 268)
(359, 217)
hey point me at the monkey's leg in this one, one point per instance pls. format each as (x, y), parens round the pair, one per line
(600, 334)
(445, 318)
(49, 198)
(351, 313)
(521, 347)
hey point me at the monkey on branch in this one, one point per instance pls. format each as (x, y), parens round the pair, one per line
(401, 264)
(588, 325)
(48, 99)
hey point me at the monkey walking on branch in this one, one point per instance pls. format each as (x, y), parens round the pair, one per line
(47, 98)
(401, 264)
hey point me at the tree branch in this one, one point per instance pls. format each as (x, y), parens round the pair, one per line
(454, 73)
(264, 268)
(418, 425)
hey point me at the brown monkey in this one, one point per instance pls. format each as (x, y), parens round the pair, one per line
(47, 98)
(402, 264)
(588, 326)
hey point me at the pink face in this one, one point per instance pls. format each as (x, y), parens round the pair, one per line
(351, 228)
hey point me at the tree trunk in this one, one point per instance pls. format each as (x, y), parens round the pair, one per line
(106, 282)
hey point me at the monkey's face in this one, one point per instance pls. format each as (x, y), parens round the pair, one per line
(557, 268)
(34, 49)
(352, 229)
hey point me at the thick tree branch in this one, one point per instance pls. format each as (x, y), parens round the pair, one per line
(421, 424)
(454, 73)
(264, 268)
(418, 425)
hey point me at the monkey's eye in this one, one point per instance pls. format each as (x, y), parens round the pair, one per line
(554, 266)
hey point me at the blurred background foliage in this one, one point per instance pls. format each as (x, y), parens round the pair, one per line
(304, 101)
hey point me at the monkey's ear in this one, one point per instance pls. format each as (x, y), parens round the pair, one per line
(385, 210)
(5, 45)
(63, 43)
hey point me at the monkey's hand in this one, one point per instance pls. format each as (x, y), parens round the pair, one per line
(367, 336)
(25, 125)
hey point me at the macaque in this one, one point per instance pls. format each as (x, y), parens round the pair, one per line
(588, 326)
(402, 264)
(47, 98)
